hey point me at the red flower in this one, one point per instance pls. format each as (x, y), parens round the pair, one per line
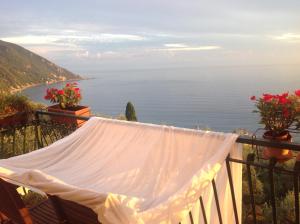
(253, 98)
(267, 97)
(48, 95)
(68, 84)
(297, 92)
(77, 89)
(61, 92)
(283, 100)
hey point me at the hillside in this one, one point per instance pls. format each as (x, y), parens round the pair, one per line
(20, 68)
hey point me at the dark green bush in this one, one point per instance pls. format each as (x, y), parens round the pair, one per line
(130, 112)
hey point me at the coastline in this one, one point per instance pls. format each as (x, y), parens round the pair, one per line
(20, 89)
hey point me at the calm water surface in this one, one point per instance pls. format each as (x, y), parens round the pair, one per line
(215, 98)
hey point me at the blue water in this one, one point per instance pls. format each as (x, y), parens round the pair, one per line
(215, 98)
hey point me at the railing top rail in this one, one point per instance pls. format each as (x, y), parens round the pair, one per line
(268, 143)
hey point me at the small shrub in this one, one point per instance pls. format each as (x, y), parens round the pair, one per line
(130, 112)
(13, 103)
(285, 209)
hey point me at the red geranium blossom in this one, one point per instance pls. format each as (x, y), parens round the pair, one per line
(282, 99)
(61, 92)
(267, 97)
(285, 95)
(297, 92)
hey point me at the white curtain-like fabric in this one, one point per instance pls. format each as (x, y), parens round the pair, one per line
(135, 173)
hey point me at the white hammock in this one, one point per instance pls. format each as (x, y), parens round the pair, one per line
(135, 173)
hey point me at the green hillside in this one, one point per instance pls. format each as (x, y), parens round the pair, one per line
(20, 68)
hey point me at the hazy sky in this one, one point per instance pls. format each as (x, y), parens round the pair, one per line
(98, 34)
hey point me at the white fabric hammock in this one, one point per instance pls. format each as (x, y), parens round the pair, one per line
(135, 173)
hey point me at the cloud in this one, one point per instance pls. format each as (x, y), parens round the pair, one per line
(176, 45)
(184, 47)
(72, 40)
(100, 55)
(84, 54)
(45, 49)
(31, 39)
(108, 37)
(72, 37)
(290, 37)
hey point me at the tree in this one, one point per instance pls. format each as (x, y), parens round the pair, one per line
(130, 112)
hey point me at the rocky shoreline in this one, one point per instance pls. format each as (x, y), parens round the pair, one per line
(21, 88)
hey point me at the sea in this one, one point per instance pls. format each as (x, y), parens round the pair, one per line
(209, 98)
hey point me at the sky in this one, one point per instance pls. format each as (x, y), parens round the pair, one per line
(138, 34)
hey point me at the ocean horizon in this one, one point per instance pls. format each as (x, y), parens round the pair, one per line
(215, 98)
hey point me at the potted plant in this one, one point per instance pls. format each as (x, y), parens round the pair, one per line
(67, 101)
(15, 109)
(278, 113)
(297, 94)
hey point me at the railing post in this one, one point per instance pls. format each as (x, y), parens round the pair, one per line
(191, 217)
(272, 188)
(14, 141)
(203, 210)
(250, 158)
(232, 190)
(24, 140)
(217, 201)
(37, 132)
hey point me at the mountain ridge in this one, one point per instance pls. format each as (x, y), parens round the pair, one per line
(21, 68)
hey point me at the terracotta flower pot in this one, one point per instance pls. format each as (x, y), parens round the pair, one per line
(281, 155)
(77, 111)
(19, 118)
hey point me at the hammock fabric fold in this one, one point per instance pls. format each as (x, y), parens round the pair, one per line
(135, 173)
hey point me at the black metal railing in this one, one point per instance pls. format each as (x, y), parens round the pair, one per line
(257, 171)
(276, 175)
